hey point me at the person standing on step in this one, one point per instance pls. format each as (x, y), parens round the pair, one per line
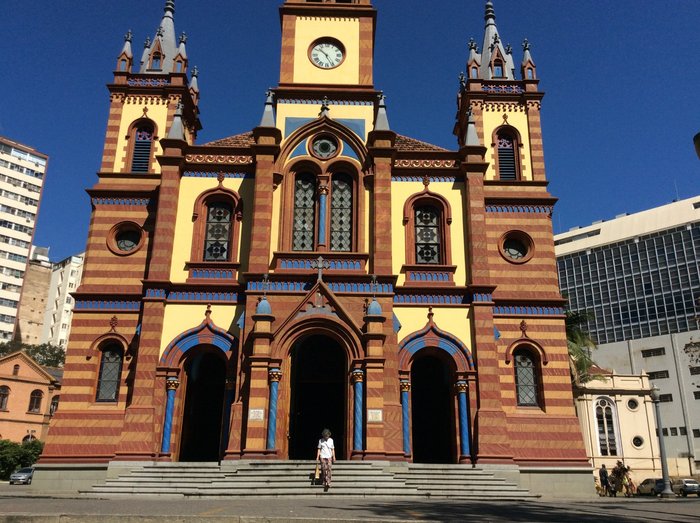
(326, 456)
(604, 483)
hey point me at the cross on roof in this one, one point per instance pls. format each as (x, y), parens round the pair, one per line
(320, 264)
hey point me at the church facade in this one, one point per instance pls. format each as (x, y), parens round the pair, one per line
(319, 271)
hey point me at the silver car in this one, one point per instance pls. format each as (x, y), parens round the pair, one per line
(686, 486)
(22, 476)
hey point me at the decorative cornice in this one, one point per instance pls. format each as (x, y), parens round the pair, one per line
(530, 209)
(121, 201)
(430, 299)
(219, 159)
(527, 310)
(426, 164)
(148, 82)
(336, 287)
(107, 305)
(502, 89)
(343, 264)
(202, 174)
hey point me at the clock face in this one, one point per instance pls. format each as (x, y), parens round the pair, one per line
(327, 54)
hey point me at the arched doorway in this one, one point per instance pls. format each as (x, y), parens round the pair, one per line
(204, 400)
(432, 409)
(318, 396)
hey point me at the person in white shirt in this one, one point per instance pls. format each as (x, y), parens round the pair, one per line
(326, 455)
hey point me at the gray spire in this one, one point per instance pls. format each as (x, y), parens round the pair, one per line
(527, 57)
(126, 50)
(268, 117)
(165, 36)
(194, 85)
(144, 56)
(182, 51)
(471, 136)
(177, 129)
(493, 44)
(382, 121)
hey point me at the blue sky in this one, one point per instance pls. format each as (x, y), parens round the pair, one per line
(618, 119)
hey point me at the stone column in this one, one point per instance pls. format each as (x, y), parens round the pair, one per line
(405, 398)
(358, 378)
(171, 385)
(464, 429)
(275, 375)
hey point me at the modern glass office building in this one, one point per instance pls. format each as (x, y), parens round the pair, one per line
(638, 277)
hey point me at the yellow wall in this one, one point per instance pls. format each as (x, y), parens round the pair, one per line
(454, 321)
(190, 190)
(182, 317)
(517, 119)
(308, 30)
(132, 111)
(453, 192)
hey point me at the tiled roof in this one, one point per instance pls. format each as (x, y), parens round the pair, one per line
(56, 373)
(237, 140)
(404, 143)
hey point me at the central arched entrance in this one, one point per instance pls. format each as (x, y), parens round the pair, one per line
(204, 400)
(318, 396)
(432, 407)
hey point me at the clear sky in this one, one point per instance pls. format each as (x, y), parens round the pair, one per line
(621, 79)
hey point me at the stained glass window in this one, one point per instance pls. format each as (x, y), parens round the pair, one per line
(606, 427)
(35, 401)
(141, 160)
(110, 373)
(506, 157)
(341, 213)
(304, 213)
(218, 232)
(427, 231)
(525, 379)
(4, 395)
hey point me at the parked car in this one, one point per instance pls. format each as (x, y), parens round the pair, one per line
(685, 487)
(650, 487)
(24, 475)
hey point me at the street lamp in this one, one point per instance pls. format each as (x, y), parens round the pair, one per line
(667, 492)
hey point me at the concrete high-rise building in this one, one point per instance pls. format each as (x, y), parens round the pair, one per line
(65, 279)
(22, 171)
(638, 276)
(35, 291)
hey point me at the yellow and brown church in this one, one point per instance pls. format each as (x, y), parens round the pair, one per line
(320, 270)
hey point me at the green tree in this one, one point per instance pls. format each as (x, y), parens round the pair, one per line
(44, 354)
(14, 456)
(580, 345)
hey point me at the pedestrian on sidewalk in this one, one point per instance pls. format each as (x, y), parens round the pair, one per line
(604, 483)
(326, 456)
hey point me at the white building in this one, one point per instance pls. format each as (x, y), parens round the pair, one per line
(638, 276)
(22, 171)
(65, 279)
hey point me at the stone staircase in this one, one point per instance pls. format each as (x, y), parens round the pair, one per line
(290, 479)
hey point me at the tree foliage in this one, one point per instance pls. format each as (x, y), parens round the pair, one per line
(580, 345)
(44, 354)
(14, 456)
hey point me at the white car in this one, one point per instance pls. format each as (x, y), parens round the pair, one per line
(22, 476)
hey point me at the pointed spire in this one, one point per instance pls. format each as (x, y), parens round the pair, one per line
(126, 50)
(471, 136)
(194, 85)
(381, 123)
(165, 37)
(182, 51)
(493, 50)
(528, 67)
(144, 56)
(268, 117)
(177, 129)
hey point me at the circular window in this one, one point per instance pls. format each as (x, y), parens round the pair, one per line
(324, 147)
(125, 238)
(516, 247)
(638, 441)
(632, 404)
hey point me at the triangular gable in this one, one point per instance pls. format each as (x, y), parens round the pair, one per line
(8, 362)
(318, 302)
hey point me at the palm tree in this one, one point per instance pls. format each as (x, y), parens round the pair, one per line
(580, 346)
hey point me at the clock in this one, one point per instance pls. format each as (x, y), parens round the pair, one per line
(327, 53)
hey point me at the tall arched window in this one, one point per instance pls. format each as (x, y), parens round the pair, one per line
(142, 148)
(35, 401)
(605, 420)
(4, 396)
(110, 373)
(507, 160)
(217, 243)
(341, 213)
(526, 378)
(428, 235)
(303, 231)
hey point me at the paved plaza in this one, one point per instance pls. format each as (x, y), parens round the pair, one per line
(21, 503)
